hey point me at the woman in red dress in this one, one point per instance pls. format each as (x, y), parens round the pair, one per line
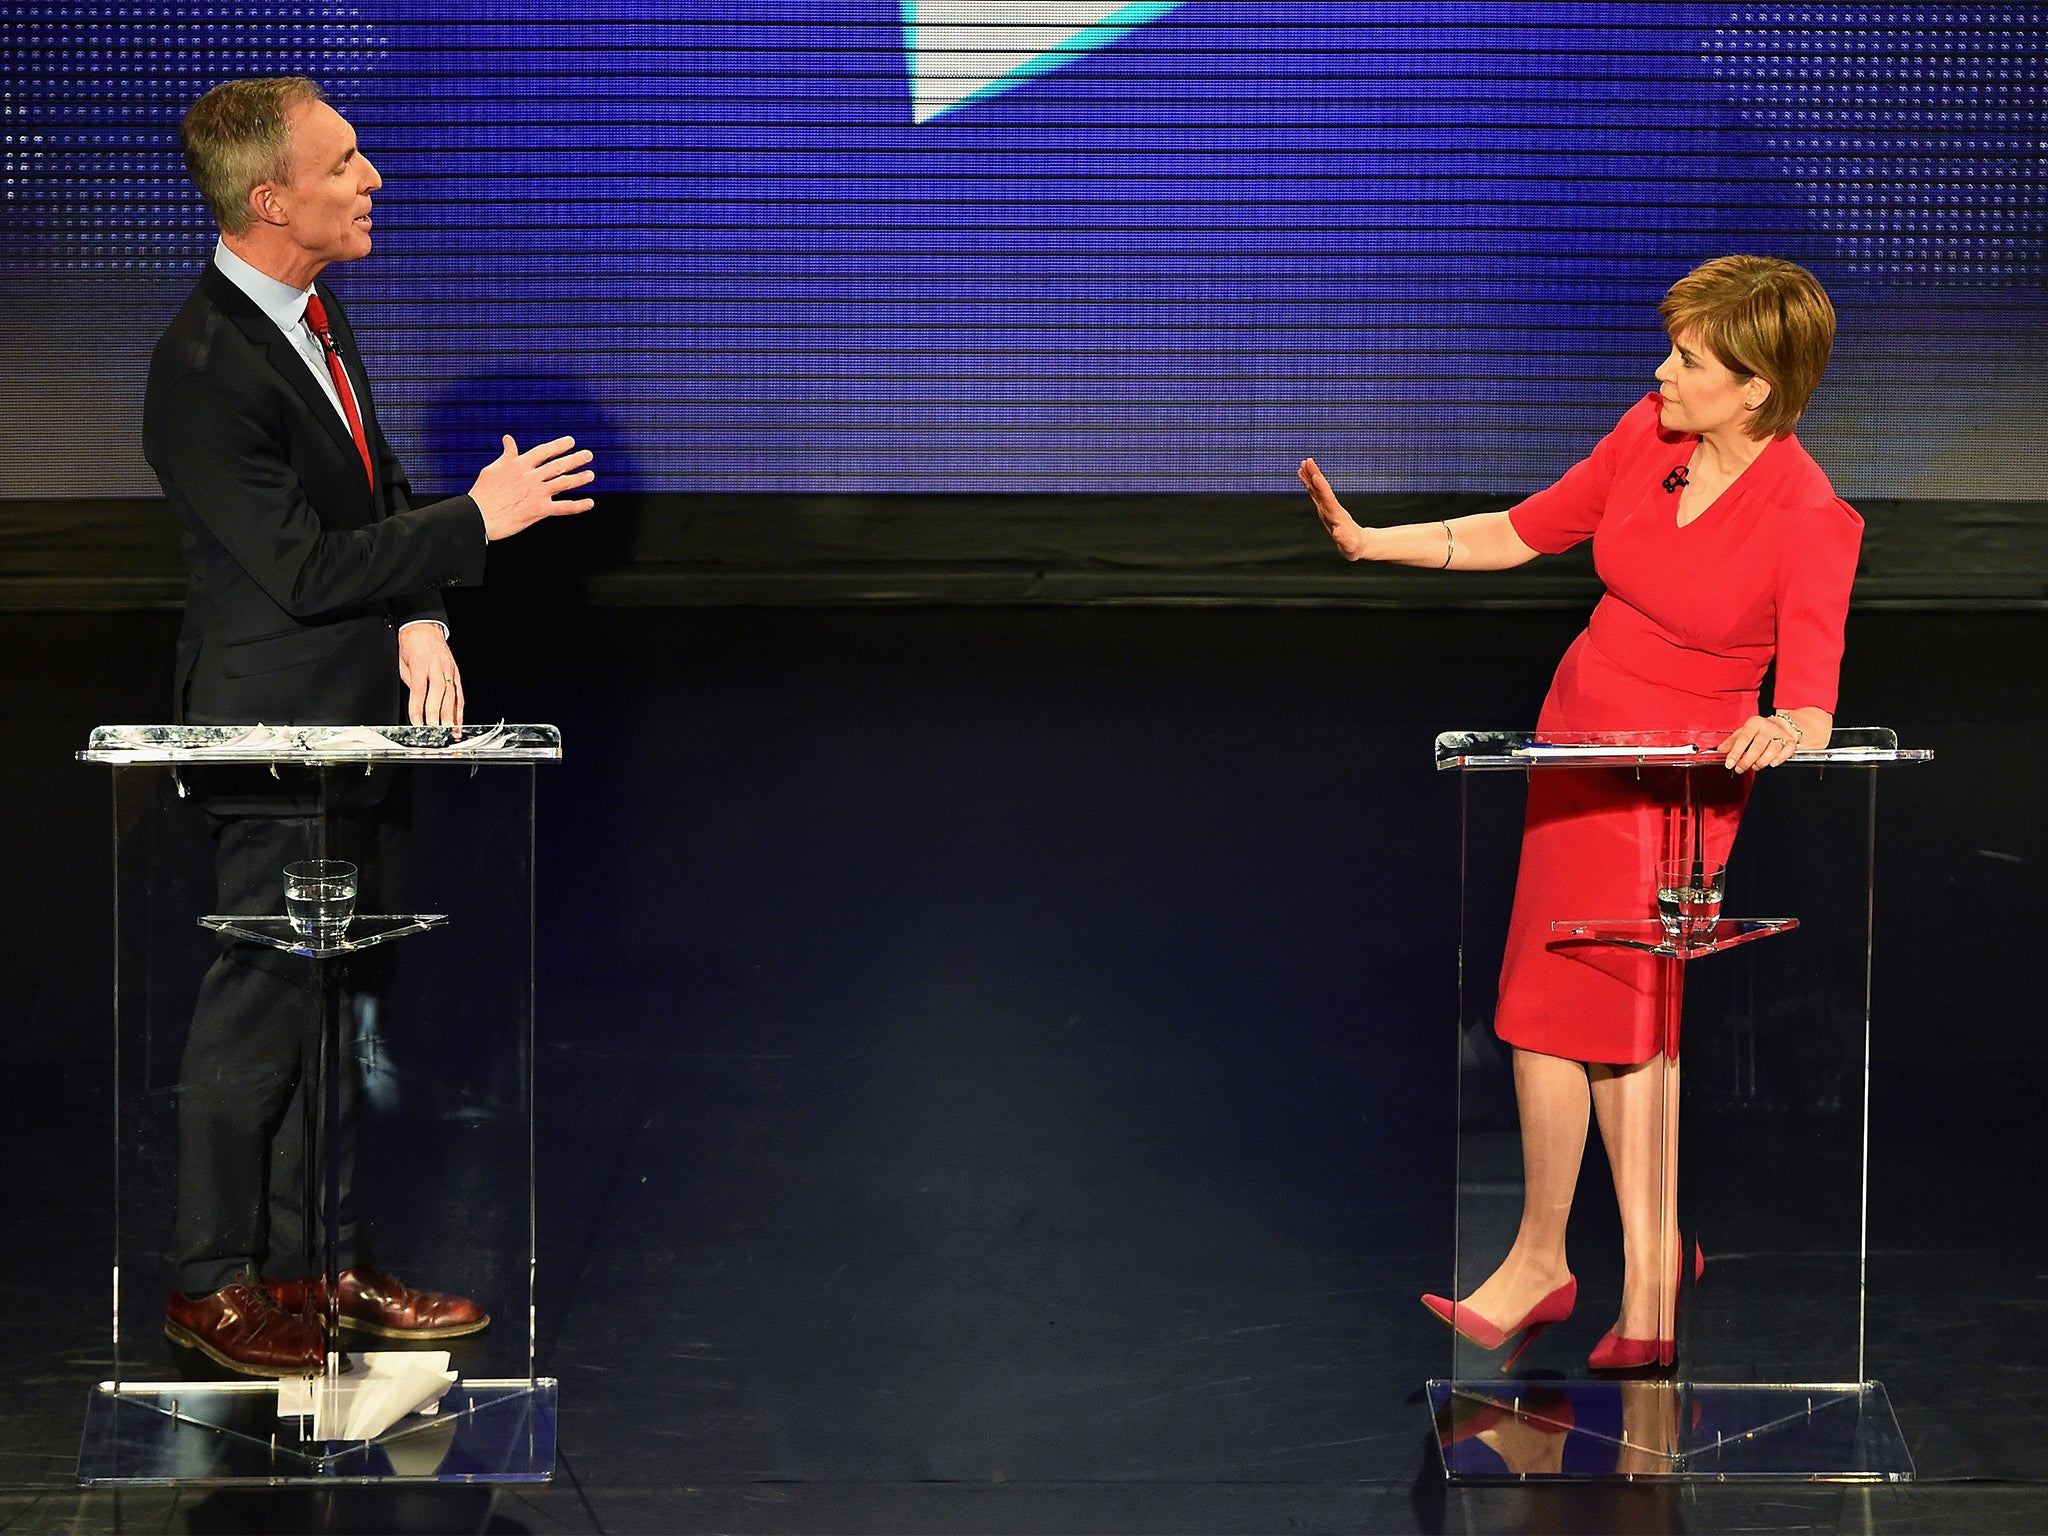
(1723, 548)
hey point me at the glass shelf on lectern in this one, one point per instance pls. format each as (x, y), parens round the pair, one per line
(1648, 935)
(364, 932)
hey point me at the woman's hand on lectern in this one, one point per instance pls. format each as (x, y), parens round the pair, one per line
(1350, 538)
(1765, 741)
(1759, 742)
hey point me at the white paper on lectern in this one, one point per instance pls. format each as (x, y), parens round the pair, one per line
(1604, 749)
(381, 1387)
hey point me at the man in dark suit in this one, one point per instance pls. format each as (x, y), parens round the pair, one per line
(313, 599)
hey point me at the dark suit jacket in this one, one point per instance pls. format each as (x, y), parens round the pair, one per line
(299, 574)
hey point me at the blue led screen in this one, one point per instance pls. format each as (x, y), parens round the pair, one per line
(1041, 247)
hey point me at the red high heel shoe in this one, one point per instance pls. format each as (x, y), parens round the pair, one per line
(1473, 1328)
(1617, 1352)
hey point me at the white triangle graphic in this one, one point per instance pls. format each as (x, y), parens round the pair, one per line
(965, 50)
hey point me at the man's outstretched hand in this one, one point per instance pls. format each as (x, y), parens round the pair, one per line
(516, 490)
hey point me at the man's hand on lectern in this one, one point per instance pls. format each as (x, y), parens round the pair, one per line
(433, 683)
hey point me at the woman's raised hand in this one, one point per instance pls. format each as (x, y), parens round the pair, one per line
(1350, 538)
(1482, 541)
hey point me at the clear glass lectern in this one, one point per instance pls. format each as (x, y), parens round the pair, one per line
(1756, 1366)
(406, 1139)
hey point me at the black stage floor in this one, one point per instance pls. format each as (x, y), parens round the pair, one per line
(998, 1072)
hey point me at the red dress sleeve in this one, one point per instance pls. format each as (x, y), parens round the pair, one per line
(1813, 604)
(1552, 521)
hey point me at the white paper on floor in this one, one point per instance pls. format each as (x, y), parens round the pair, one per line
(381, 1387)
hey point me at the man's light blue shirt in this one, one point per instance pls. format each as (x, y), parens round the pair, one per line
(285, 306)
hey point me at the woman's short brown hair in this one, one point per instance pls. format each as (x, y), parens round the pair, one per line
(1763, 317)
(238, 135)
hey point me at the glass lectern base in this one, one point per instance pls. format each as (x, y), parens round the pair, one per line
(1500, 1431)
(230, 1432)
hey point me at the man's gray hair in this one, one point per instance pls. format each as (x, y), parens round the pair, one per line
(238, 135)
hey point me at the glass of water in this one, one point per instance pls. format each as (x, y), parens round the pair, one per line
(320, 898)
(1689, 900)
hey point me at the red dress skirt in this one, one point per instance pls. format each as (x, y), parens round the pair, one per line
(1692, 619)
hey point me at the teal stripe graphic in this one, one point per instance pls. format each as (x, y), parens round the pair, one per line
(1125, 18)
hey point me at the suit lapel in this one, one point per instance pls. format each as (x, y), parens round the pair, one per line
(284, 358)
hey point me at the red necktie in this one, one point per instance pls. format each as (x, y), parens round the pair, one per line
(316, 317)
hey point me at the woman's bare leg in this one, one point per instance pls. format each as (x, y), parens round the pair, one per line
(1637, 1107)
(1554, 1104)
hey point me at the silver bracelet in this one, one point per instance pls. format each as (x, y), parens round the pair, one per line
(1450, 545)
(1797, 734)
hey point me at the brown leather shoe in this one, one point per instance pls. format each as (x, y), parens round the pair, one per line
(241, 1327)
(374, 1302)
